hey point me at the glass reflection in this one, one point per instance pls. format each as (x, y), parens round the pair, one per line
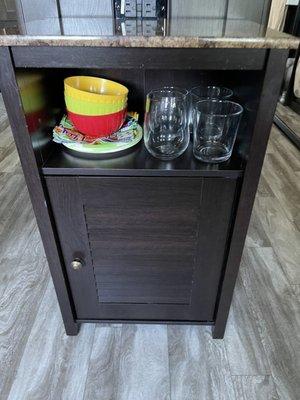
(216, 18)
(37, 112)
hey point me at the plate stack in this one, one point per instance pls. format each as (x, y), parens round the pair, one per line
(118, 143)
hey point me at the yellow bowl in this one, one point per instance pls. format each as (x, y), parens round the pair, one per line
(90, 108)
(95, 90)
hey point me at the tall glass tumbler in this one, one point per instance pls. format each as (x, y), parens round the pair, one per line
(165, 128)
(198, 93)
(216, 124)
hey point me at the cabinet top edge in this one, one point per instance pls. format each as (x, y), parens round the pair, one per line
(276, 40)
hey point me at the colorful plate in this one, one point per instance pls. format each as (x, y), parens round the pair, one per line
(106, 147)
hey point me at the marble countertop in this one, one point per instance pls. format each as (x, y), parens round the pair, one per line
(181, 32)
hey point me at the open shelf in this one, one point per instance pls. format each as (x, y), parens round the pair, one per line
(54, 159)
(140, 163)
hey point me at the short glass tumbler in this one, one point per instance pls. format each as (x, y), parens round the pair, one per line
(165, 128)
(211, 92)
(216, 123)
(198, 93)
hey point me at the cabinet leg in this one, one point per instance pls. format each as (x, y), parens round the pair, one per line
(72, 329)
(218, 331)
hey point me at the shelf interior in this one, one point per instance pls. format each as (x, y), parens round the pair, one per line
(54, 159)
(139, 162)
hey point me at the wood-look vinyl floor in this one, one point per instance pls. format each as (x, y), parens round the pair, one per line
(258, 359)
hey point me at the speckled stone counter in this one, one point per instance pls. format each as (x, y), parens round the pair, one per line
(183, 32)
(280, 42)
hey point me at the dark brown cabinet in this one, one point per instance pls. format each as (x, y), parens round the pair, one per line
(149, 248)
(131, 238)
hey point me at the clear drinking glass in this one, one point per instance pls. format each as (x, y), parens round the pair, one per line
(216, 123)
(211, 92)
(198, 93)
(165, 128)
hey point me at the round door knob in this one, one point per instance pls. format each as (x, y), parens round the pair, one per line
(77, 264)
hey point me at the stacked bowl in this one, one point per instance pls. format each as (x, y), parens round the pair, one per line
(96, 106)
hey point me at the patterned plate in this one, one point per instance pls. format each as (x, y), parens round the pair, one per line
(107, 147)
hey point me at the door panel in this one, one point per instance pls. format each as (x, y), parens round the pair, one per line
(152, 248)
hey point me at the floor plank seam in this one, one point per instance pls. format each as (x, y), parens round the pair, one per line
(251, 376)
(169, 366)
(119, 364)
(86, 377)
(229, 368)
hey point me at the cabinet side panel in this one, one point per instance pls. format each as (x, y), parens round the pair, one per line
(214, 224)
(270, 92)
(36, 187)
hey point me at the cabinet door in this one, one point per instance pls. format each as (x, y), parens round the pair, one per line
(152, 247)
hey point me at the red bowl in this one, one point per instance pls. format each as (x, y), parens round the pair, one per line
(98, 125)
